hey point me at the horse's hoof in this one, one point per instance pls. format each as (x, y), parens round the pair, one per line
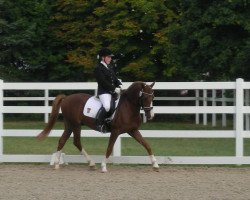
(92, 167)
(57, 167)
(104, 170)
(156, 169)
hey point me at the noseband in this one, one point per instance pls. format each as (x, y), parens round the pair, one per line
(141, 94)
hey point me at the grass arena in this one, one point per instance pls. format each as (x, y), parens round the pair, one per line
(76, 181)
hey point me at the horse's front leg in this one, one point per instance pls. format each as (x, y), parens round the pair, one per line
(138, 137)
(112, 139)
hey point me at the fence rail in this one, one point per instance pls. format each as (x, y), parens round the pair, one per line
(239, 109)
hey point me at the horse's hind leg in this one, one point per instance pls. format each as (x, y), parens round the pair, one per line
(77, 143)
(138, 137)
(63, 139)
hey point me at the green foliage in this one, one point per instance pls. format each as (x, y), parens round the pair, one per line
(22, 38)
(127, 27)
(28, 49)
(152, 40)
(211, 38)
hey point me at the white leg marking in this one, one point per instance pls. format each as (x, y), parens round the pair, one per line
(91, 162)
(104, 165)
(154, 161)
(57, 159)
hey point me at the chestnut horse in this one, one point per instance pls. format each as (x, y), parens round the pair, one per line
(127, 119)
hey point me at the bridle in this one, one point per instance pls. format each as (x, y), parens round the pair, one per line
(141, 95)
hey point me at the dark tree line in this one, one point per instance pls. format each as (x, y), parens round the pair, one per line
(57, 40)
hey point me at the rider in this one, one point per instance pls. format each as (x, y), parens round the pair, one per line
(108, 85)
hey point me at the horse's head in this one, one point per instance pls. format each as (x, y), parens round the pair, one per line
(141, 95)
(146, 96)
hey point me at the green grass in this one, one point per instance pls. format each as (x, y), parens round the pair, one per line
(160, 146)
(29, 145)
(144, 126)
(182, 147)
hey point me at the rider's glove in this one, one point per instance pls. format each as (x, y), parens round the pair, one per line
(117, 90)
(121, 86)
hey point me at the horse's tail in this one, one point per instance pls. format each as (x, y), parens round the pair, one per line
(53, 117)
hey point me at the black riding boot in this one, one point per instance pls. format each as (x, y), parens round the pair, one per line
(100, 117)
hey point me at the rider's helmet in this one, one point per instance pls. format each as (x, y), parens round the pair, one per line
(105, 52)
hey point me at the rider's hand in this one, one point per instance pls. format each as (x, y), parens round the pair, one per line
(117, 90)
(121, 86)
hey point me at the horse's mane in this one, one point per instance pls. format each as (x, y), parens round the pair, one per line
(132, 92)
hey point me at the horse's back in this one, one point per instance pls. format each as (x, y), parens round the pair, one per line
(72, 105)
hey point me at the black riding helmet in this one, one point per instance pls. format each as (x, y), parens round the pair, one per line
(105, 52)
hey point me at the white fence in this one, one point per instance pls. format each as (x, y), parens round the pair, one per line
(239, 109)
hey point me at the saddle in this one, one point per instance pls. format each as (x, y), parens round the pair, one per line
(94, 104)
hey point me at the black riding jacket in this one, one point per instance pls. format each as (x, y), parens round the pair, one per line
(106, 79)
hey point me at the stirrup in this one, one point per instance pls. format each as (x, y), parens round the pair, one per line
(102, 129)
(107, 121)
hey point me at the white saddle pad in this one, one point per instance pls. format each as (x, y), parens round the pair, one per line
(93, 105)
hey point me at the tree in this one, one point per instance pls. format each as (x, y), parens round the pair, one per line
(21, 32)
(152, 40)
(210, 40)
(127, 27)
(29, 50)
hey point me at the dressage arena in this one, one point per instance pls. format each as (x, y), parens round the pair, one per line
(138, 182)
(41, 181)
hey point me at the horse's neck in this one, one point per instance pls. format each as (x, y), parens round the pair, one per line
(132, 106)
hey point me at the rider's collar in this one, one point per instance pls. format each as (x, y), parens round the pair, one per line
(102, 62)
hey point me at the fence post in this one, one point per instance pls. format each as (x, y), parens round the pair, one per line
(234, 115)
(1, 120)
(247, 104)
(197, 103)
(214, 104)
(239, 117)
(46, 103)
(204, 104)
(224, 103)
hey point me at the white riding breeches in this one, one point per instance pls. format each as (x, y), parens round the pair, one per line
(106, 101)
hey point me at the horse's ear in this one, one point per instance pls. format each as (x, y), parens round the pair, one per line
(152, 85)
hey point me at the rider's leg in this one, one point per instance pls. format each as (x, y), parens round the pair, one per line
(101, 115)
(105, 99)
